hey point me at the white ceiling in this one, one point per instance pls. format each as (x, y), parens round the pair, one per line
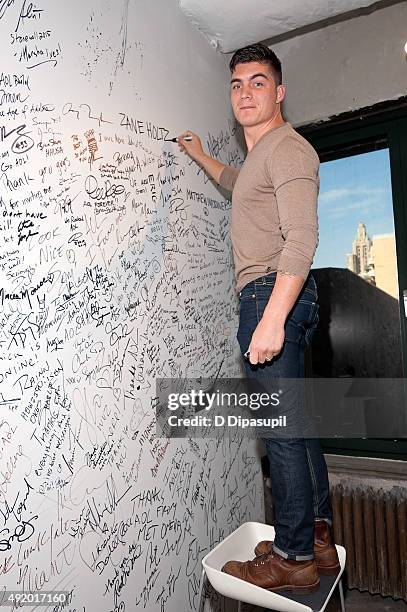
(231, 24)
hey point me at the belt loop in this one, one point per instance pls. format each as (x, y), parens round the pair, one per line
(263, 279)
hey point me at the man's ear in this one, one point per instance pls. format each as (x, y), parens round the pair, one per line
(280, 93)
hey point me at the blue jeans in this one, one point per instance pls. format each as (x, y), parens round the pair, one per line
(298, 470)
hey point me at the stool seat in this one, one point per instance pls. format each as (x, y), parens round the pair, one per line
(239, 545)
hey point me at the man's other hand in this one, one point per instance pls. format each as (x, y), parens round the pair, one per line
(267, 341)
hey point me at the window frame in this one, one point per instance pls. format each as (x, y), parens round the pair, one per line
(343, 137)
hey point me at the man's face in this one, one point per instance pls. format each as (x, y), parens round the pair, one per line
(254, 94)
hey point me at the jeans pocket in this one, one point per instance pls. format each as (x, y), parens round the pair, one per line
(247, 321)
(302, 321)
(263, 293)
(246, 296)
(310, 330)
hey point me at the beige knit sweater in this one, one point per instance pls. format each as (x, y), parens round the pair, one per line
(274, 206)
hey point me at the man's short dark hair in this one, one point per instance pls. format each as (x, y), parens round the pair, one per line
(258, 53)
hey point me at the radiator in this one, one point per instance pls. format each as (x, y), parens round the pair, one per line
(372, 525)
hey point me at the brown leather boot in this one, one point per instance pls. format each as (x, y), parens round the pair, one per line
(326, 556)
(272, 572)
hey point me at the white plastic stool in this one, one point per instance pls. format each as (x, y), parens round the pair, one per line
(239, 545)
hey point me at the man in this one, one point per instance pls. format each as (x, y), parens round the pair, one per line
(274, 231)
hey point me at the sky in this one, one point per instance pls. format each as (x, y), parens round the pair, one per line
(353, 190)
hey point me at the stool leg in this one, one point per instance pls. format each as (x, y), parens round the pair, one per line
(341, 596)
(239, 606)
(201, 591)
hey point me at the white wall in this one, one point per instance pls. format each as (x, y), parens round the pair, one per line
(112, 273)
(345, 66)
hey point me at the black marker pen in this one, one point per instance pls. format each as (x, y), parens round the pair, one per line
(186, 138)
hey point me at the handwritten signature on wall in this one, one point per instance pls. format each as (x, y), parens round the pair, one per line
(115, 270)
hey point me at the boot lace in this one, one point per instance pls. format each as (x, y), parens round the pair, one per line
(262, 559)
